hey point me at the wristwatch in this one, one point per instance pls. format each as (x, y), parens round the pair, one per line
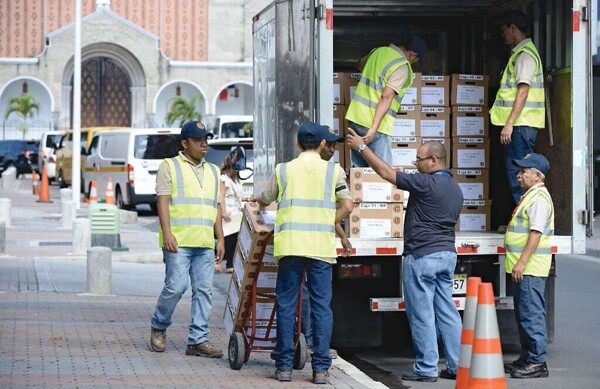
(361, 147)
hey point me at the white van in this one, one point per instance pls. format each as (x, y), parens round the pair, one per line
(131, 158)
(47, 152)
(233, 126)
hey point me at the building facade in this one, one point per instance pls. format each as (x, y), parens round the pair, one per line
(136, 57)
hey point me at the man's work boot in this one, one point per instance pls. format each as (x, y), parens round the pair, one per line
(516, 364)
(158, 340)
(531, 370)
(203, 349)
(283, 375)
(320, 377)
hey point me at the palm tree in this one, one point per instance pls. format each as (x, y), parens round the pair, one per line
(182, 110)
(24, 106)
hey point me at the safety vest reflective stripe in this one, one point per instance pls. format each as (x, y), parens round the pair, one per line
(304, 227)
(373, 105)
(528, 104)
(523, 229)
(534, 84)
(538, 250)
(192, 221)
(185, 200)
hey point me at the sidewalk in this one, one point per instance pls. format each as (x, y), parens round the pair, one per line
(72, 340)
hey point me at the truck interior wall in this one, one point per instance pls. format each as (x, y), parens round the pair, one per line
(473, 44)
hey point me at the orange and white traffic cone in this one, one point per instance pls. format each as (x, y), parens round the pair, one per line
(93, 193)
(109, 196)
(487, 365)
(35, 182)
(468, 332)
(44, 188)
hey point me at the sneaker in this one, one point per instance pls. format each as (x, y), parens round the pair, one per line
(516, 364)
(203, 349)
(447, 375)
(418, 378)
(158, 340)
(531, 370)
(283, 375)
(320, 377)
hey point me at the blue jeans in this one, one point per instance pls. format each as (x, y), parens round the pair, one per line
(530, 313)
(427, 283)
(289, 278)
(305, 323)
(381, 145)
(521, 143)
(197, 264)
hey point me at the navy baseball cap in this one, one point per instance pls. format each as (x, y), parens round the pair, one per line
(534, 160)
(418, 45)
(510, 17)
(310, 132)
(195, 129)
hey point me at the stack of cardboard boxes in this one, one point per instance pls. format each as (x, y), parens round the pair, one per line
(344, 85)
(471, 149)
(255, 237)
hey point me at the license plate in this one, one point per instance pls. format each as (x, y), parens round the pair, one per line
(460, 284)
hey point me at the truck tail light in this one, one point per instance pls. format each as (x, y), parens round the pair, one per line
(130, 174)
(353, 271)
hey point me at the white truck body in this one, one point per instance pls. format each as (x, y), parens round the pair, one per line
(297, 42)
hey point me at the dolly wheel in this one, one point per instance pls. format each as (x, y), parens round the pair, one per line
(301, 353)
(237, 351)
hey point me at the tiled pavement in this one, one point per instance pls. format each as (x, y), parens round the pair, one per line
(70, 340)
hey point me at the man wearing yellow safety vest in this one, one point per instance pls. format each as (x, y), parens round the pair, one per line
(187, 189)
(528, 258)
(385, 77)
(519, 106)
(312, 196)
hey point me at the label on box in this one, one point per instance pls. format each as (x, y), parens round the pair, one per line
(269, 257)
(433, 127)
(352, 89)
(228, 321)
(403, 139)
(410, 96)
(433, 109)
(261, 333)
(471, 141)
(469, 109)
(373, 206)
(336, 126)
(469, 94)
(337, 94)
(469, 126)
(404, 127)
(473, 203)
(269, 217)
(471, 190)
(375, 228)
(433, 95)
(245, 239)
(264, 310)
(408, 108)
(432, 78)
(469, 172)
(472, 77)
(238, 270)
(233, 297)
(470, 157)
(472, 221)
(403, 156)
(266, 280)
(376, 191)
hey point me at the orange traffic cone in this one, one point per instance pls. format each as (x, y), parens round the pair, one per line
(468, 331)
(109, 196)
(44, 188)
(93, 193)
(487, 365)
(35, 182)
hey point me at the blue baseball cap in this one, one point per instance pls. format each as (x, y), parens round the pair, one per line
(534, 160)
(195, 129)
(310, 132)
(418, 45)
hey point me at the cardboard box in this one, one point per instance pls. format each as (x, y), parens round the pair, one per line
(474, 183)
(245, 273)
(404, 150)
(407, 121)
(368, 186)
(413, 93)
(435, 122)
(255, 231)
(435, 90)
(469, 89)
(339, 124)
(343, 87)
(443, 141)
(470, 153)
(377, 220)
(475, 216)
(470, 121)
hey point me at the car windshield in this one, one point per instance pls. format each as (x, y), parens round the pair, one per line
(235, 130)
(52, 140)
(216, 153)
(159, 146)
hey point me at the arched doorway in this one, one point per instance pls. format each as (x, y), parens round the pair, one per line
(105, 94)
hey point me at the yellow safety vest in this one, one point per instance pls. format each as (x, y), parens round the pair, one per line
(517, 235)
(193, 207)
(534, 111)
(306, 204)
(381, 64)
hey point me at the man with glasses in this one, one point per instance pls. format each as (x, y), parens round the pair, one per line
(429, 256)
(386, 74)
(187, 189)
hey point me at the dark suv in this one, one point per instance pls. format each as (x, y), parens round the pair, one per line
(21, 154)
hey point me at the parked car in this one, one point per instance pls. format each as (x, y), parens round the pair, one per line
(47, 152)
(218, 149)
(21, 154)
(130, 157)
(64, 154)
(233, 126)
